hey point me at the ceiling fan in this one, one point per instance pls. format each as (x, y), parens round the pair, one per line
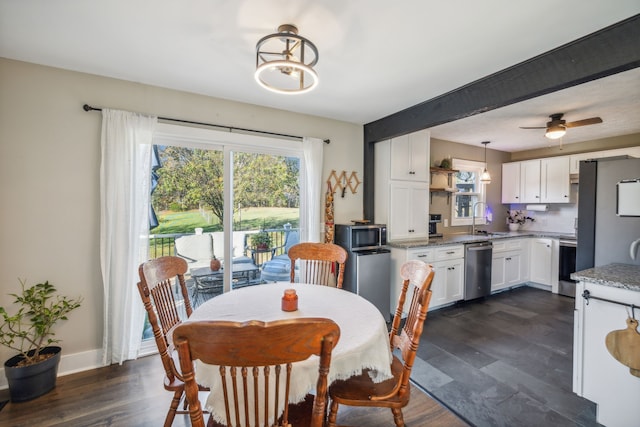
(556, 127)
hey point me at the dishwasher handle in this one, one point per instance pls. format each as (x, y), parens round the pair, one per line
(480, 248)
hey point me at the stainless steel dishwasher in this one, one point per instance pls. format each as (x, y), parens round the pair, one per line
(477, 270)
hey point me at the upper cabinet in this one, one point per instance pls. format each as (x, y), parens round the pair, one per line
(554, 180)
(575, 159)
(536, 181)
(530, 181)
(511, 182)
(402, 186)
(410, 157)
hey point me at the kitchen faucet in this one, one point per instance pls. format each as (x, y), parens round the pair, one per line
(473, 219)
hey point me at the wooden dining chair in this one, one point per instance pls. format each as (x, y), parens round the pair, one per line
(318, 263)
(156, 290)
(252, 352)
(393, 393)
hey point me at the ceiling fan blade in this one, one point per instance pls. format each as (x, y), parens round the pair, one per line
(585, 122)
(534, 127)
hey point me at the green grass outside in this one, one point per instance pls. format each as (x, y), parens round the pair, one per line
(249, 219)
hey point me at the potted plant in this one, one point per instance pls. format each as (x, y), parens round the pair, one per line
(517, 218)
(261, 240)
(33, 371)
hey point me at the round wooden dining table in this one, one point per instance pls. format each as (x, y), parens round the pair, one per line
(363, 343)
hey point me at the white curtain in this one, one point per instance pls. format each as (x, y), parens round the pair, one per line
(311, 223)
(125, 181)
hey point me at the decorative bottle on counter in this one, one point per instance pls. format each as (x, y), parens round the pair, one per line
(289, 300)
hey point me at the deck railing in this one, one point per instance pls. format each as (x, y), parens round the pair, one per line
(165, 244)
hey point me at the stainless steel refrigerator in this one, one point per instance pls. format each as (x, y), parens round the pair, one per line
(605, 231)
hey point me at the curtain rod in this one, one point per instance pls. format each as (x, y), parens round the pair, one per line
(87, 107)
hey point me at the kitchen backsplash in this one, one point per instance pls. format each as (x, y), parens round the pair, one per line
(559, 218)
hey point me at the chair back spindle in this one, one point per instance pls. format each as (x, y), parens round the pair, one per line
(319, 263)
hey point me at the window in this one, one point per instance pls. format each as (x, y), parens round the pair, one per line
(229, 185)
(469, 192)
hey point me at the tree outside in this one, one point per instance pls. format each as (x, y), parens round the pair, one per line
(192, 180)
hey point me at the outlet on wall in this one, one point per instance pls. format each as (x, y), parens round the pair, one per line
(446, 222)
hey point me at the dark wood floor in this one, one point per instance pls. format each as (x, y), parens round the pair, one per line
(505, 360)
(132, 395)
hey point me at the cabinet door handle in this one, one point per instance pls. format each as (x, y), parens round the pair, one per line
(422, 256)
(507, 259)
(517, 197)
(451, 252)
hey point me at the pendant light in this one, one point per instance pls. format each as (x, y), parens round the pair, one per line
(485, 178)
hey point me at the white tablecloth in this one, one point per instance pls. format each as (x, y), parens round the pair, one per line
(364, 340)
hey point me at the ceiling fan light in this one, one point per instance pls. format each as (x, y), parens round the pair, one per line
(284, 62)
(555, 131)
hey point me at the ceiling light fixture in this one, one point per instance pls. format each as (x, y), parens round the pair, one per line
(485, 178)
(555, 131)
(285, 60)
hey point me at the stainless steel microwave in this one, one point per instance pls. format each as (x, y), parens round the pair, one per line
(356, 238)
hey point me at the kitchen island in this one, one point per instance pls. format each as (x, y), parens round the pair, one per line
(611, 291)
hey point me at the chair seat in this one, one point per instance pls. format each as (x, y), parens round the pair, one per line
(277, 269)
(359, 388)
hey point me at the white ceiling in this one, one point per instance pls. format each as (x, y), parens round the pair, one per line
(376, 57)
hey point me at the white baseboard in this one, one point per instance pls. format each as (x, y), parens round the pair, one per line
(69, 364)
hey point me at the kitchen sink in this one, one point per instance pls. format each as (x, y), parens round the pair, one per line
(492, 233)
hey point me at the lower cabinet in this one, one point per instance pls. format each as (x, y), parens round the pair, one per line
(448, 264)
(447, 286)
(542, 261)
(510, 263)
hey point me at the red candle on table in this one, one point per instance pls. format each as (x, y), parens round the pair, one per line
(290, 300)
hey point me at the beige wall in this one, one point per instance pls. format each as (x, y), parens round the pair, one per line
(441, 204)
(49, 175)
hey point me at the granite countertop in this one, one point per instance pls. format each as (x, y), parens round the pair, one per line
(625, 276)
(456, 239)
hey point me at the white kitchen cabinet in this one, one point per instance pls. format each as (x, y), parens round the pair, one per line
(530, 181)
(510, 263)
(447, 286)
(575, 159)
(408, 210)
(410, 157)
(536, 181)
(554, 179)
(448, 264)
(541, 265)
(511, 182)
(597, 375)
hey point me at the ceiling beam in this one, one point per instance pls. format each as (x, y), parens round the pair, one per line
(606, 52)
(603, 53)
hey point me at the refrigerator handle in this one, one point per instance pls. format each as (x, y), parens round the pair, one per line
(633, 249)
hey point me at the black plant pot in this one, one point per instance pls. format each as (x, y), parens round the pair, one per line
(29, 382)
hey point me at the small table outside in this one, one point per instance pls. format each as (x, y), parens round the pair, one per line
(208, 281)
(260, 256)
